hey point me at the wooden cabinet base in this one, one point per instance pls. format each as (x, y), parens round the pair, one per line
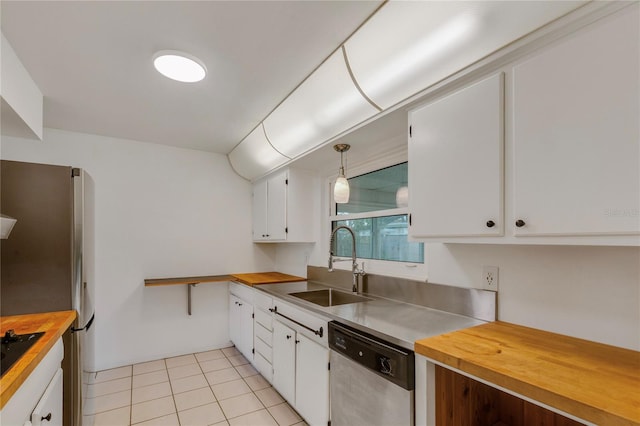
(462, 401)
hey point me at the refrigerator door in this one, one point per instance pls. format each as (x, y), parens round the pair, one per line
(83, 290)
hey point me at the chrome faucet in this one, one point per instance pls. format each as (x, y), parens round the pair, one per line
(354, 265)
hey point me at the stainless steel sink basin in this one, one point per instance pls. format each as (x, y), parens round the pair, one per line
(329, 297)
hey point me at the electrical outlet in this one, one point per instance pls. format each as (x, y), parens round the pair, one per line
(490, 278)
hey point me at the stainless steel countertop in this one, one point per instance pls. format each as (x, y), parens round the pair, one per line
(397, 322)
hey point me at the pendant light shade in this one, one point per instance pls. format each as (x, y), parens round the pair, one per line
(341, 187)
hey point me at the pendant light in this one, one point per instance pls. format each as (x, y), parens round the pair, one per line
(341, 187)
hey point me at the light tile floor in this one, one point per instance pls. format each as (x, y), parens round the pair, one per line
(218, 387)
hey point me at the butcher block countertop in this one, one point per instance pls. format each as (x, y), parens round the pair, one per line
(54, 324)
(248, 279)
(592, 381)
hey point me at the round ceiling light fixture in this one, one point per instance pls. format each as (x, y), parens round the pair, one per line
(179, 66)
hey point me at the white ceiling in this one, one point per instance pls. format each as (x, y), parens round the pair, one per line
(93, 62)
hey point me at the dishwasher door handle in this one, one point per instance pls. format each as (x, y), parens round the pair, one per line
(318, 332)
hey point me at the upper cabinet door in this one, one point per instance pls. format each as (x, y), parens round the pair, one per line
(277, 207)
(456, 163)
(260, 211)
(576, 133)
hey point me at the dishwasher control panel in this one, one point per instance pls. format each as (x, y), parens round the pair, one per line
(393, 362)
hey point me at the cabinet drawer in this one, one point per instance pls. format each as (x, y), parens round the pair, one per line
(263, 334)
(263, 349)
(264, 367)
(262, 300)
(265, 319)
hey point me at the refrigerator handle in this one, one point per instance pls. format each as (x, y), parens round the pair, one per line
(86, 327)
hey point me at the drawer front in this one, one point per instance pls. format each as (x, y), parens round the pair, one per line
(264, 367)
(263, 334)
(262, 300)
(263, 349)
(264, 318)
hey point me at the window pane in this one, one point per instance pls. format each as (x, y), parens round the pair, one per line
(374, 191)
(382, 238)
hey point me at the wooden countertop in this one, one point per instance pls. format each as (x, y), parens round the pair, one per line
(266, 278)
(248, 279)
(54, 324)
(595, 382)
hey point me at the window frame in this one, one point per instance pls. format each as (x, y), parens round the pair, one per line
(411, 270)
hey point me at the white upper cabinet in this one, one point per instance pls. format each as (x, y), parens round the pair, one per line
(570, 173)
(407, 46)
(255, 156)
(576, 133)
(324, 105)
(456, 179)
(283, 207)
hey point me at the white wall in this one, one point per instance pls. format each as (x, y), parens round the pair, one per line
(160, 212)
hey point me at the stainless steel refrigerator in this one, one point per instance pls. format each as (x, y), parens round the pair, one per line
(48, 258)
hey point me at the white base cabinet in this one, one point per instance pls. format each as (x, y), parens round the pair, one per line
(241, 319)
(301, 364)
(39, 395)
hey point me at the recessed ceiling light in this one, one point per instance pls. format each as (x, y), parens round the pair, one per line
(179, 66)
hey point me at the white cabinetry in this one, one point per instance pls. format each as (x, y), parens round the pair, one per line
(39, 395)
(283, 207)
(576, 133)
(455, 167)
(241, 318)
(571, 132)
(263, 335)
(301, 363)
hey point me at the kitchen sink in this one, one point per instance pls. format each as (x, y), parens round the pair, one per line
(329, 297)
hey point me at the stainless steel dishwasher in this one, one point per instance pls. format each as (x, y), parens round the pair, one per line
(371, 380)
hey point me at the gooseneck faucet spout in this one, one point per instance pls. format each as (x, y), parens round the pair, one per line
(354, 265)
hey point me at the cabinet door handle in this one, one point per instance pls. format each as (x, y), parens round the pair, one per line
(490, 224)
(297, 341)
(520, 223)
(47, 417)
(288, 336)
(239, 304)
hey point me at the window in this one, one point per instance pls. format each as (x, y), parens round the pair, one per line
(378, 222)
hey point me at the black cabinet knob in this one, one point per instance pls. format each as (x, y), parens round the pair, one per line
(520, 223)
(288, 336)
(47, 417)
(490, 224)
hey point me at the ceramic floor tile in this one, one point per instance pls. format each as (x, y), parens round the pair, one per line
(107, 402)
(178, 361)
(215, 364)
(111, 386)
(239, 405)
(222, 423)
(222, 376)
(257, 382)
(114, 373)
(204, 415)
(284, 414)
(148, 367)
(184, 371)
(230, 389)
(147, 379)
(189, 383)
(147, 393)
(152, 409)
(246, 370)
(230, 351)
(269, 397)
(117, 417)
(257, 418)
(194, 398)
(238, 360)
(209, 355)
(169, 420)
